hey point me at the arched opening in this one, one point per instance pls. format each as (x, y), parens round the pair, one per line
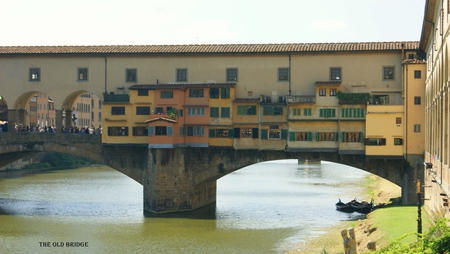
(3, 114)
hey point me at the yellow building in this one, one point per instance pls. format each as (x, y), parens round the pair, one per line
(434, 46)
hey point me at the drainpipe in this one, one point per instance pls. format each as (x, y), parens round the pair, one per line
(290, 74)
(106, 72)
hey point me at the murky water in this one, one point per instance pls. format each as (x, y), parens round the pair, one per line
(265, 208)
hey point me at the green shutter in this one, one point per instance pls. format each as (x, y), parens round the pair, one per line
(254, 132)
(342, 136)
(361, 137)
(317, 136)
(253, 109)
(214, 112)
(212, 133)
(169, 130)
(309, 136)
(264, 134)
(284, 133)
(231, 133)
(333, 112)
(321, 113)
(151, 130)
(237, 132)
(242, 110)
(336, 136)
(291, 136)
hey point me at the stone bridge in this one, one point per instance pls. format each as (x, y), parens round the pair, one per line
(184, 179)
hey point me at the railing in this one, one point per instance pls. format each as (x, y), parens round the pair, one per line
(301, 99)
(116, 97)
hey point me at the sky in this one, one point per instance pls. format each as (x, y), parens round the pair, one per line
(152, 22)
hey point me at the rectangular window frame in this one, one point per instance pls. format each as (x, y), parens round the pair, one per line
(196, 93)
(35, 74)
(118, 131)
(142, 110)
(214, 93)
(388, 72)
(142, 92)
(417, 74)
(131, 75)
(181, 75)
(283, 74)
(117, 110)
(232, 74)
(166, 95)
(322, 92)
(335, 73)
(140, 131)
(225, 112)
(225, 93)
(82, 74)
(417, 100)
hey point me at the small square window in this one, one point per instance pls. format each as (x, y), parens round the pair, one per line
(232, 74)
(333, 92)
(398, 120)
(181, 74)
(418, 74)
(322, 92)
(82, 74)
(131, 75)
(142, 92)
(35, 74)
(283, 74)
(388, 73)
(416, 127)
(167, 94)
(335, 74)
(417, 100)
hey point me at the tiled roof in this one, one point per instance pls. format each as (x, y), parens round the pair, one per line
(178, 86)
(161, 119)
(247, 99)
(213, 48)
(328, 83)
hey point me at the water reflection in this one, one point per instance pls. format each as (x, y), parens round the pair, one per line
(265, 208)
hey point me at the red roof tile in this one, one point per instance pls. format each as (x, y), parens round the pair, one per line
(212, 48)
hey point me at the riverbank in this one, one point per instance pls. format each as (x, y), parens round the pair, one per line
(330, 240)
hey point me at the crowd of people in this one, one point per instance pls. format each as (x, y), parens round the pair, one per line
(52, 129)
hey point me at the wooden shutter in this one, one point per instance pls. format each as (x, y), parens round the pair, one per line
(231, 133)
(237, 132)
(264, 133)
(169, 130)
(291, 136)
(212, 133)
(255, 133)
(284, 133)
(309, 136)
(151, 130)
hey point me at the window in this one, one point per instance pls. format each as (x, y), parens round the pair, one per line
(182, 75)
(35, 74)
(159, 110)
(307, 112)
(225, 112)
(118, 131)
(221, 133)
(160, 130)
(166, 94)
(274, 134)
(232, 74)
(410, 56)
(283, 74)
(398, 120)
(196, 111)
(214, 112)
(327, 112)
(246, 110)
(352, 136)
(300, 136)
(140, 131)
(416, 127)
(82, 74)
(246, 133)
(273, 111)
(388, 73)
(142, 92)
(131, 75)
(92, 116)
(214, 93)
(195, 92)
(333, 92)
(381, 99)
(117, 110)
(326, 136)
(195, 131)
(322, 92)
(225, 93)
(99, 116)
(352, 113)
(398, 141)
(99, 104)
(335, 74)
(142, 110)
(418, 74)
(417, 100)
(296, 111)
(375, 141)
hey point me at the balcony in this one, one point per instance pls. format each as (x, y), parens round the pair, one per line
(307, 99)
(116, 98)
(353, 98)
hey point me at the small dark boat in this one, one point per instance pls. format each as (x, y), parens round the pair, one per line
(344, 207)
(363, 207)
